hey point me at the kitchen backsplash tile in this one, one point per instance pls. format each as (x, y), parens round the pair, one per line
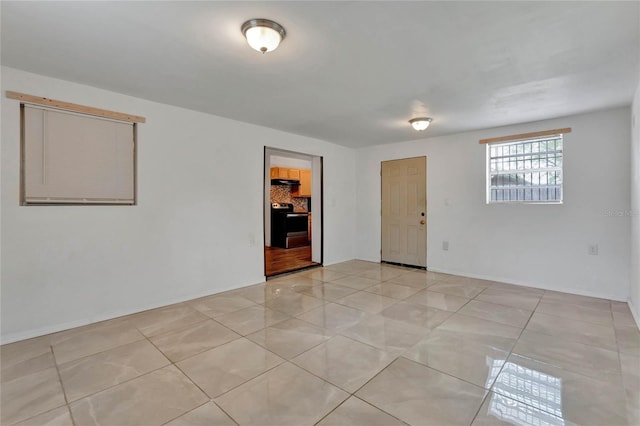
(282, 194)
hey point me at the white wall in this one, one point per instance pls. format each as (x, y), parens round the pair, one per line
(537, 245)
(634, 287)
(200, 185)
(289, 162)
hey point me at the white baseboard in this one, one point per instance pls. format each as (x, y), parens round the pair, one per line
(634, 312)
(580, 292)
(335, 262)
(28, 334)
(42, 331)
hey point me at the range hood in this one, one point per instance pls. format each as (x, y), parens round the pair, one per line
(285, 182)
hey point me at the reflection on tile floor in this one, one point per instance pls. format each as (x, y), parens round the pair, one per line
(357, 343)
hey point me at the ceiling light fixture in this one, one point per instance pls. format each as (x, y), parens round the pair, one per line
(420, 123)
(262, 34)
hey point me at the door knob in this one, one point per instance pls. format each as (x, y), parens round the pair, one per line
(422, 222)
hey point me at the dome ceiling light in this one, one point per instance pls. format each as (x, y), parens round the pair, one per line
(420, 123)
(263, 35)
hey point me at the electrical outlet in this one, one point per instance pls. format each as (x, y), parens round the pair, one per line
(445, 245)
(593, 250)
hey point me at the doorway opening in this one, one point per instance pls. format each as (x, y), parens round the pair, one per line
(404, 212)
(292, 211)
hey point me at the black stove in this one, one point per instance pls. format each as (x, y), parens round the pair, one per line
(288, 228)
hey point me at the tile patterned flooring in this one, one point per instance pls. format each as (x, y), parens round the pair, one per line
(356, 343)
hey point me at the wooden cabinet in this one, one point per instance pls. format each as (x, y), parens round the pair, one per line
(294, 174)
(304, 189)
(304, 176)
(309, 232)
(279, 173)
(285, 173)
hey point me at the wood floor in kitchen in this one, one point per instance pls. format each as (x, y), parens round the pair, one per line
(279, 260)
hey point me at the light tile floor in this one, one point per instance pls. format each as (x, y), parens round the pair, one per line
(355, 343)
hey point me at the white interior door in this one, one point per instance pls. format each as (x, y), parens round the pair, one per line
(404, 211)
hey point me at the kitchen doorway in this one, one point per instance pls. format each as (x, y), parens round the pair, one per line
(404, 212)
(292, 211)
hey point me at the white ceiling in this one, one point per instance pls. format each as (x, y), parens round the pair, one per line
(348, 72)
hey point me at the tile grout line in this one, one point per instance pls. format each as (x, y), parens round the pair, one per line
(368, 403)
(593, 345)
(101, 352)
(445, 373)
(185, 413)
(97, 327)
(362, 400)
(64, 393)
(490, 390)
(504, 304)
(569, 319)
(331, 383)
(191, 380)
(578, 319)
(304, 351)
(290, 361)
(335, 333)
(225, 412)
(353, 394)
(511, 352)
(492, 321)
(285, 360)
(55, 362)
(624, 388)
(118, 384)
(48, 411)
(421, 365)
(484, 398)
(246, 381)
(486, 391)
(369, 344)
(148, 339)
(73, 420)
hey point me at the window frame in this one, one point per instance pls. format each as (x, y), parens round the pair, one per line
(83, 110)
(70, 202)
(543, 136)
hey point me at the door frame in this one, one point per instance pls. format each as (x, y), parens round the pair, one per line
(426, 212)
(317, 186)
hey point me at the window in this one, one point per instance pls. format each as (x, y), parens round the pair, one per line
(528, 171)
(71, 158)
(75, 154)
